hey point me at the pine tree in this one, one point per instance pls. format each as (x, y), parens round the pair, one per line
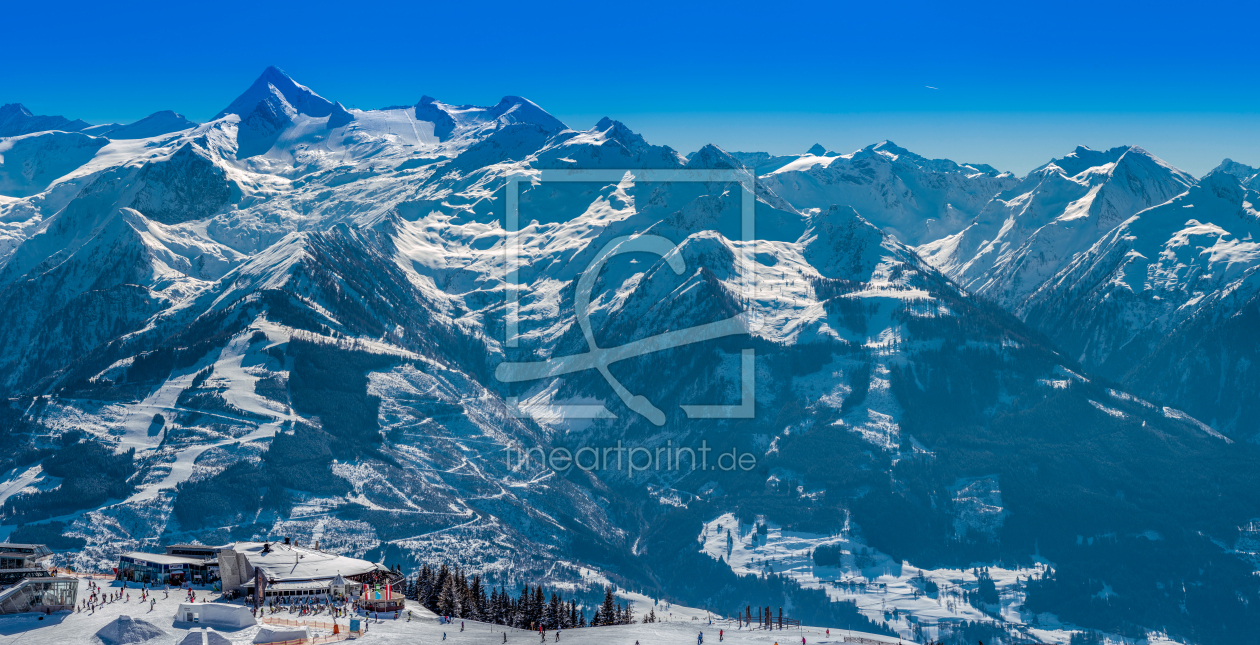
(461, 591)
(448, 602)
(552, 615)
(477, 595)
(425, 587)
(522, 610)
(439, 583)
(502, 612)
(597, 620)
(608, 609)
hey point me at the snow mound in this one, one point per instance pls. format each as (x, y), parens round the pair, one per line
(205, 636)
(127, 630)
(276, 635)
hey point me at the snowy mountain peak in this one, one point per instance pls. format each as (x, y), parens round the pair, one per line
(1248, 175)
(431, 110)
(340, 116)
(1026, 235)
(634, 143)
(275, 83)
(1224, 185)
(1087, 160)
(915, 199)
(15, 119)
(156, 124)
(841, 244)
(713, 157)
(449, 119)
(1081, 159)
(888, 146)
(518, 109)
(9, 110)
(607, 124)
(1234, 168)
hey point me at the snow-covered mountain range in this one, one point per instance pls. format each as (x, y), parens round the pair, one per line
(291, 319)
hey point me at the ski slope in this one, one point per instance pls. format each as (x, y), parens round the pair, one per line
(79, 628)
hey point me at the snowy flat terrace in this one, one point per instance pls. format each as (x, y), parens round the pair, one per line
(80, 628)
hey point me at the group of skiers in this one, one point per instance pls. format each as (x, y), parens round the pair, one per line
(310, 606)
(98, 597)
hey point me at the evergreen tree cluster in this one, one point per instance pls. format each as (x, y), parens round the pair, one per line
(449, 591)
(91, 474)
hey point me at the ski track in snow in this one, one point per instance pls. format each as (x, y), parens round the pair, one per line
(227, 365)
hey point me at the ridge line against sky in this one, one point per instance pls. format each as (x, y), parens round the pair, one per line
(1010, 86)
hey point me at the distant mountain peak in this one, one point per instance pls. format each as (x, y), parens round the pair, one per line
(273, 82)
(616, 130)
(448, 118)
(518, 109)
(712, 157)
(606, 123)
(817, 150)
(16, 120)
(1224, 185)
(17, 109)
(1132, 159)
(1248, 175)
(156, 124)
(889, 146)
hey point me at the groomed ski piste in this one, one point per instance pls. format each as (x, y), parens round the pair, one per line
(686, 624)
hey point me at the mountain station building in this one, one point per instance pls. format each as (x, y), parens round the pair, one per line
(291, 570)
(26, 585)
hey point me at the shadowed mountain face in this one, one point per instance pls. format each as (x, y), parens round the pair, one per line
(306, 320)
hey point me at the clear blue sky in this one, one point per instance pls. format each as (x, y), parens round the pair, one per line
(1016, 83)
